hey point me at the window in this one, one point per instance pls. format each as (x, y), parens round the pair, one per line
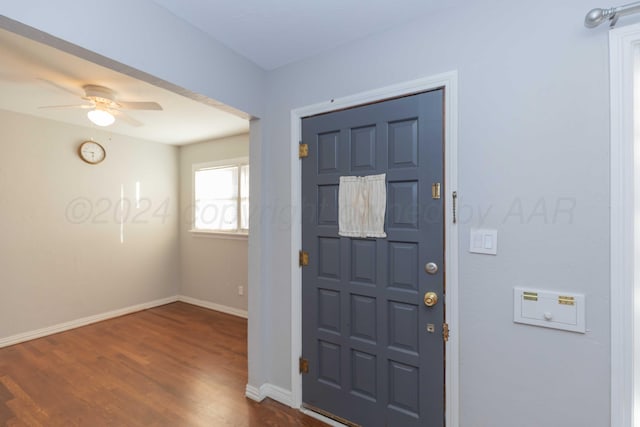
(221, 196)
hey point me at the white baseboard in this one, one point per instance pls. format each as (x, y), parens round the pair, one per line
(277, 393)
(254, 393)
(61, 327)
(285, 397)
(213, 306)
(271, 391)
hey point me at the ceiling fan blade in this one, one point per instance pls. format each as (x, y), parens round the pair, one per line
(60, 107)
(140, 105)
(125, 117)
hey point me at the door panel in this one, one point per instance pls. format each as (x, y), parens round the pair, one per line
(371, 359)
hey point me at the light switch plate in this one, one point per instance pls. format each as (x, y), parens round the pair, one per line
(557, 310)
(483, 241)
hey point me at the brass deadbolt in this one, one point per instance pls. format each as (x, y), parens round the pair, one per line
(430, 299)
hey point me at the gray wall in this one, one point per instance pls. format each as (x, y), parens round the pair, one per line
(211, 267)
(61, 255)
(61, 258)
(533, 130)
(533, 133)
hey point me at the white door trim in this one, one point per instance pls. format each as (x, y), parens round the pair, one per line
(450, 82)
(622, 43)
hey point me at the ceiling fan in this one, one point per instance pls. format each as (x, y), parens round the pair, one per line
(103, 105)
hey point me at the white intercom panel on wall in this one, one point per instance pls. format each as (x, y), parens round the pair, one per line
(557, 310)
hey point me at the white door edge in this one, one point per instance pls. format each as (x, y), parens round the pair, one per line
(449, 81)
(622, 44)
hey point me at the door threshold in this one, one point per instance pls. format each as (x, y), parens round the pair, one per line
(329, 415)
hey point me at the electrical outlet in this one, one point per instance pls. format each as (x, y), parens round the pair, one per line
(240, 290)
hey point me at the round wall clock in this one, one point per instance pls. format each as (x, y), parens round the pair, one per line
(92, 152)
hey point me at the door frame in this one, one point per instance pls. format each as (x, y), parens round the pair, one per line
(448, 81)
(623, 44)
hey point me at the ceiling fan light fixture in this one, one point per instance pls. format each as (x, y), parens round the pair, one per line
(101, 117)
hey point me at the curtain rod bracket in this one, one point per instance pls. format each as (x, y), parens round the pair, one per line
(597, 16)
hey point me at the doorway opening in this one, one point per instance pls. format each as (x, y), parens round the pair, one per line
(137, 204)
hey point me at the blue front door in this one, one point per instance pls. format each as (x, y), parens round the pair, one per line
(375, 351)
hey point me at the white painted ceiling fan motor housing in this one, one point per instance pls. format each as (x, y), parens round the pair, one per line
(100, 95)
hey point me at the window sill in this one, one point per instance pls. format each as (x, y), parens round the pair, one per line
(219, 235)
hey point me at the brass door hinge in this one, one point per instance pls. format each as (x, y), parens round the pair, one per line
(303, 150)
(303, 259)
(435, 191)
(304, 366)
(445, 332)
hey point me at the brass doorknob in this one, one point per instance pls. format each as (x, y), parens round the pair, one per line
(430, 299)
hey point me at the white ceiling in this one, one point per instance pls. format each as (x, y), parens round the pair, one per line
(273, 33)
(34, 75)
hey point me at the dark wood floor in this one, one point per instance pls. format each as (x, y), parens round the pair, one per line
(175, 365)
